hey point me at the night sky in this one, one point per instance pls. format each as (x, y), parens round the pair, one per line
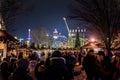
(46, 13)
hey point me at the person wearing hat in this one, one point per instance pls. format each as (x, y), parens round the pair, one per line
(57, 69)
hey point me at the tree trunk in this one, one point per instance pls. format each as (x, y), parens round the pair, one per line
(108, 46)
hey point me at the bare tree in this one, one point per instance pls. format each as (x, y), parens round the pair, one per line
(40, 36)
(102, 15)
(9, 9)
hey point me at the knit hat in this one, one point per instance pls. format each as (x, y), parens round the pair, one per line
(56, 54)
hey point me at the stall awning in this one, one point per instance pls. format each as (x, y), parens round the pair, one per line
(93, 45)
(4, 36)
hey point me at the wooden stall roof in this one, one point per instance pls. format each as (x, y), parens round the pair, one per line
(4, 36)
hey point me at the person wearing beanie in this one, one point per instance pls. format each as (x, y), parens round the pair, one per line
(57, 69)
(57, 56)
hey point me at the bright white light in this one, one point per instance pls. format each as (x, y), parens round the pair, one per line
(21, 39)
(29, 30)
(64, 18)
(92, 39)
(55, 37)
(47, 35)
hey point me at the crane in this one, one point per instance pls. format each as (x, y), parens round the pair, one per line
(66, 26)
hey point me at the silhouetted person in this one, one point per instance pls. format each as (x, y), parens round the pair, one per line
(105, 67)
(89, 64)
(47, 61)
(116, 64)
(21, 73)
(5, 70)
(57, 69)
(39, 70)
(70, 63)
(20, 56)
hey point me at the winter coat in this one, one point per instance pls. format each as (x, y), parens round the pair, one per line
(57, 69)
(20, 74)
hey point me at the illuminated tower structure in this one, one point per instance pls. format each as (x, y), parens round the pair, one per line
(55, 34)
(29, 38)
(55, 37)
(59, 40)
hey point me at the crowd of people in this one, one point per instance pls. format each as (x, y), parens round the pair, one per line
(100, 66)
(60, 66)
(56, 66)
